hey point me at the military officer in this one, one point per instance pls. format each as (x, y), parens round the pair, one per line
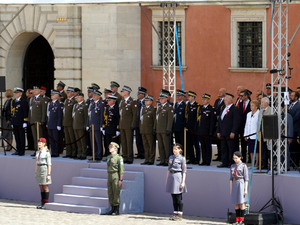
(111, 122)
(88, 102)
(147, 120)
(79, 115)
(206, 120)
(169, 96)
(95, 116)
(179, 117)
(128, 117)
(54, 121)
(47, 99)
(114, 87)
(192, 140)
(163, 128)
(37, 114)
(60, 87)
(19, 118)
(76, 91)
(107, 92)
(68, 122)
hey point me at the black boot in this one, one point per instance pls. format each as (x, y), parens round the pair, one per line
(116, 212)
(111, 211)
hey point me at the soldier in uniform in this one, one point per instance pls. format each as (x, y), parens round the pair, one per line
(115, 171)
(206, 120)
(107, 92)
(163, 128)
(179, 117)
(128, 116)
(95, 116)
(19, 118)
(30, 142)
(190, 122)
(60, 87)
(37, 114)
(76, 91)
(68, 122)
(79, 116)
(54, 121)
(47, 99)
(147, 120)
(114, 87)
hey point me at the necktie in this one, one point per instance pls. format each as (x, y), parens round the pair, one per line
(235, 171)
(39, 156)
(244, 107)
(238, 104)
(219, 103)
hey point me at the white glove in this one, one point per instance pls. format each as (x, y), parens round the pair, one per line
(101, 129)
(87, 128)
(12, 126)
(117, 133)
(24, 125)
(103, 132)
(58, 128)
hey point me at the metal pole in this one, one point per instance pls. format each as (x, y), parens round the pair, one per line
(4, 28)
(37, 131)
(93, 139)
(259, 136)
(185, 142)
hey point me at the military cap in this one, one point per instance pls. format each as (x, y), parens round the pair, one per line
(42, 140)
(43, 88)
(248, 91)
(180, 92)
(106, 90)
(77, 89)
(53, 92)
(17, 89)
(126, 88)
(165, 91)
(207, 96)
(231, 95)
(36, 87)
(114, 83)
(112, 97)
(97, 92)
(268, 86)
(238, 154)
(60, 83)
(90, 89)
(191, 93)
(70, 89)
(177, 144)
(157, 101)
(142, 90)
(80, 94)
(149, 97)
(290, 90)
(163, 95)
(114, 144)
(95, 86)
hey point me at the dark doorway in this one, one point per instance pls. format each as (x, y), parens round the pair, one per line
(39, 65)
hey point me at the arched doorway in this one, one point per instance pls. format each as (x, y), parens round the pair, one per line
(39, 65)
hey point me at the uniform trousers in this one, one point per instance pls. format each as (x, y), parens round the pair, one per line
(80, 144)
(126, 141)
(139, 142)
(30, 143)
(192, 142)
(163, 147)
(69, 138)
(227, 150)
(34, 134)
(179, 137)
(44, 128)
(148, 143)
(110, 138)
(97, 143)
(62, 140)
(244, 149)
(20, 139)
(206, 150)
(89, 150)
(54, 146)
(113, 189)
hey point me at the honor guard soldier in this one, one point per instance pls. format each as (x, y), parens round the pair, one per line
(128, 116)
(190, 122)
(37, 114)
(111, 129)
(114, 87)
(54, 122)
(68, 122)
(206, 120)
(138, 137)
(163, 128)
(19, 118)
(95, 116)
(179, 117)
(60, 87)
(147, 120)
(79, 115)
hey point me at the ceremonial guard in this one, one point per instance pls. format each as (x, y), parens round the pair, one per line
(54, 122)
(80, 113)
(192, 140)
(60, 87)
(19, 118)
(179, 117)
(206, 120)
(147, 121)
(115, 171)
(95, 116)
(68, 122)
(128, 116)
(163, 128)
(114, 87)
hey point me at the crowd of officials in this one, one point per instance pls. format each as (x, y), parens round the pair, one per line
(67, 117)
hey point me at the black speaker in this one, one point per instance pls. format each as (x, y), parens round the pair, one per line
(270, 123)
(2, 84)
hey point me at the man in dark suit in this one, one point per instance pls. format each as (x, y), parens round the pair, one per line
(228, 126)
(239, 99)
(179, 118)
(294, 111)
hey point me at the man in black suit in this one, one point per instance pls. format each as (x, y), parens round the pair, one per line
(239, 99)
(228, 126)
(179, 117)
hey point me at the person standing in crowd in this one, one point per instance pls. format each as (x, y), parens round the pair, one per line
(107, 92)
(60, 87)
(43, 171)
(30, 142)
(6, 116)
(179, 117)
(239, 98)
(19, 118)
(128, 117)
(76, 91)
(239, 179)
(228, 126)
(114, 87)
(115, 171)
(147, 120)
(175, 180)
(47, 99)
(269, 92)
(79, 115)
(88, 102)
(54, 121)
(206, 119)
(68, 122)
(186, 98)
(192, 140)
(138, 137)
(163, 128)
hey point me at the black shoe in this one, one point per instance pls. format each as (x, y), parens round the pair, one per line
(82, 158)
(150, 163)
(160, 164)
(222, 166)
(142, 157)
(98, 159)
(67, 156)
(165, 164)
(116, 211)
(144, 163)
(16, 153)
(138, 157)
(42, 206)
(202, 164)
(21, 154)
(190, 162)
(54, 156)
(217, 159)
(110, 212)
(129, 162)
(207, 164)
(195, 163)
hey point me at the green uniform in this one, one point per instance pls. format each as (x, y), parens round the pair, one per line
(115, 167)
(119, 98)
(62, 132)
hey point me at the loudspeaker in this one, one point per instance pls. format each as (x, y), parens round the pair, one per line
(270, 123)
(2, 84)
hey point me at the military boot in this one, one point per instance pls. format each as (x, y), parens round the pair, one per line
(110, 212)
(116, 212)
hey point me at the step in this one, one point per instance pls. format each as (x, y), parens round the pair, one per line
(93, 182)
(76, 208)
(102, 173)
(81, 200)
(85, 191)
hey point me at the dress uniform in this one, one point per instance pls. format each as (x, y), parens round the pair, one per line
(147, 121)
(79, 115)
(163, 129)
(47, 99)
(128, 116)
(88, 102)
(107, 92)
(68, 122)
(54, 122)
(95, 116)
(219, 103)
(60, 87)
(115, 85)
(206, 119)
(19, 118)
(179, 119)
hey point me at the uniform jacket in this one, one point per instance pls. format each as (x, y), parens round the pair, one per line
(19, 112)
(140, 104)
(47, 98)
(67, 113)
(38, 109)
(63, 96)
(111, 119)
(54, 114)
(217, 106)
(115, 164)
(95, 115)
(179, 116)
(295, 113)
(6, 110)
(79, 116)
(128, 113)
(237, 101)
(119, 98)
(230, 122)
(88, 102)
(148, 117)
(251, 124)
(243, 116)
(191, 116)
(179, 163)
(239, 170)
(206, 120)
(164, 118)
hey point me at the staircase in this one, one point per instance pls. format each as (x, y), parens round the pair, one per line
(88, 193)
